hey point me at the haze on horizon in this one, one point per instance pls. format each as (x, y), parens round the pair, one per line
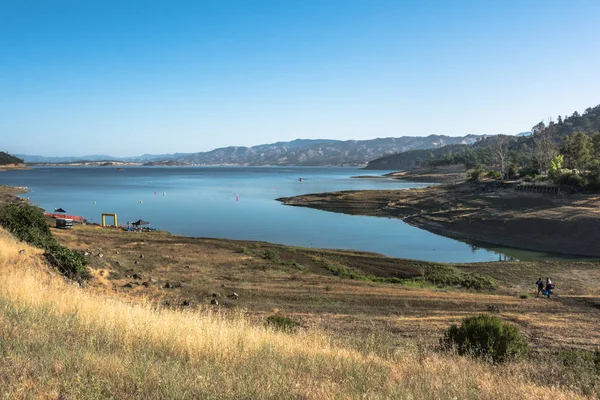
(128, 78)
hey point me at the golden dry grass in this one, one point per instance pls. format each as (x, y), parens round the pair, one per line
(60, 341)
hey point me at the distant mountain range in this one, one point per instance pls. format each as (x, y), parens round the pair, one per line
(143, 158)
(300, 152)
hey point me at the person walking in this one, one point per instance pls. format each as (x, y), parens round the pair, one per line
(549, 287)
(540, 287)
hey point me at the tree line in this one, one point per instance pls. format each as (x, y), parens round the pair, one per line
(6, 159)
(566, 152)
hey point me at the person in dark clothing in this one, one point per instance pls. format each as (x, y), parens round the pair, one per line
(540, 287)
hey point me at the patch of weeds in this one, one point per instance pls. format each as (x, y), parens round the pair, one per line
(270, 255)
(243, 250)
(523, 296)
(327, 288)
(443, 275)
(281, 323)
(299, 267)
(346, 272)
(570, 368)
(494, 309)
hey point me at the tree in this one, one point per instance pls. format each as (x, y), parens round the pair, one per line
(577, 150)
(500, 152)
(543, 146)
(556, 164)
(596, 147)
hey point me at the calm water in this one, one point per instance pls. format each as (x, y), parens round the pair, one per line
(239, 203)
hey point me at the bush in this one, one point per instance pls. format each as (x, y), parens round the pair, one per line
(529, 171)
(68, 262)
(28, 224)
(443, 275)
(570, 178)
(593, 177)
(493, 174)
(281, 323)
(475, 174)
(270, 255)
(487, 337)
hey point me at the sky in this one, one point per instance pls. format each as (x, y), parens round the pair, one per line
(125, 78)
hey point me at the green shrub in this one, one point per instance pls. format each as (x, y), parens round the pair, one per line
(270, 255)
(494, 174)
(28, 224)
(475, 174)
(529, 171)
(443, 275)
(281, 323)
(347, 272)
(570, 178)
(68, 262)
(523, 296)
(486, 337)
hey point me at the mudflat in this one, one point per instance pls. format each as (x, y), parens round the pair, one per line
(443, 174)
(484, 212)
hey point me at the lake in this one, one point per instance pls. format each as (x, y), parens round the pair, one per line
(239, 203)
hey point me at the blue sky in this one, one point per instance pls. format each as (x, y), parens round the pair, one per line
(132, 77)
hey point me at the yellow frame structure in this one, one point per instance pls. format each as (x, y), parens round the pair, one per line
(109, 215)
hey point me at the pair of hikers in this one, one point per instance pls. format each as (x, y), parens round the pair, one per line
(544, 288)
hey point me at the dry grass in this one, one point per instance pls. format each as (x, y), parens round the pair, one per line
(60, 341)
(300, 286)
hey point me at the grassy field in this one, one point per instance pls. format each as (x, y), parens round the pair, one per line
(305, 284)
(58, 340)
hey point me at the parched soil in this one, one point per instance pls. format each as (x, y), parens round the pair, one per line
(445, 174)
(8, 167)
(488, 212)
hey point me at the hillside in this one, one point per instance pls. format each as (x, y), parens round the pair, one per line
(414, 158)
(60, 341)
(320, 153)
(7, 159)
(587, 122)
(520, 149)
(300, 152)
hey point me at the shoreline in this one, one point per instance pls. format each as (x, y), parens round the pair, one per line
(14, 167)
(479, 213)
(457, 212)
